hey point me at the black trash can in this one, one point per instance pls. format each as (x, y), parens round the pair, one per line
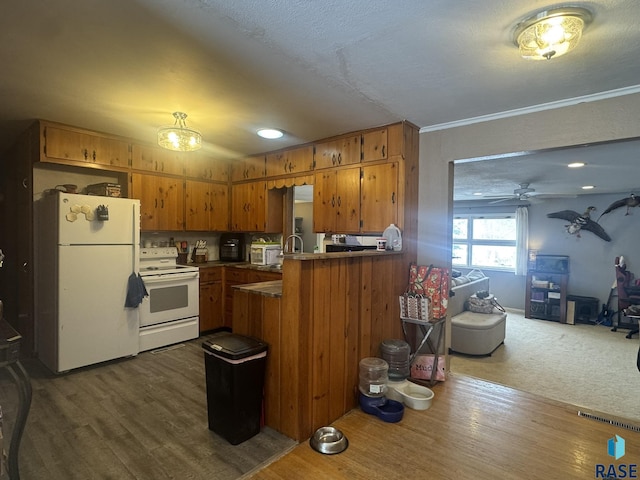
(235, 369)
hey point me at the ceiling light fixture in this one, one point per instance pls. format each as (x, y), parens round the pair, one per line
(551, 33)
(270, 133)
(178, 137)
(576, 165)
(588, 187)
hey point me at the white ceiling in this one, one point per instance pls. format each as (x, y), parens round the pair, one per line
(311, 68)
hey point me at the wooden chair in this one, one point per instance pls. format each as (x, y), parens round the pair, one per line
(628, 293)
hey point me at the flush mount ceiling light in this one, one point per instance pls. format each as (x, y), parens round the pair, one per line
(178, 137)
(551, 33)
(270, 133)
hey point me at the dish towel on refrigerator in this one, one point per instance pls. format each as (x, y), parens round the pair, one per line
(136, 291)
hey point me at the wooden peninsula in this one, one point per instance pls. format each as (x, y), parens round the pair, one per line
(328, 312)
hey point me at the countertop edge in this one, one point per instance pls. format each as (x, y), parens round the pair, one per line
(271, 288)
(331, 255)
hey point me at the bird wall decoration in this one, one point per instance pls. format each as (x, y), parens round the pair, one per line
(629, 202)
(580, 222)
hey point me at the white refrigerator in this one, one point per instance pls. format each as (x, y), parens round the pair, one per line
(86, 249)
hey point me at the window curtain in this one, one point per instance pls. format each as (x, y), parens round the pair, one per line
(522, 239)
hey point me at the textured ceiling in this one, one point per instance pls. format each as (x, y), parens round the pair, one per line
(311, 68)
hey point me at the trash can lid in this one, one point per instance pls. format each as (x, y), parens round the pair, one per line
(234, 346)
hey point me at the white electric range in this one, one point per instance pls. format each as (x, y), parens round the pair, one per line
(170, 314)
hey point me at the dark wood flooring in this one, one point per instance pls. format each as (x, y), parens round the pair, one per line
(139, 418)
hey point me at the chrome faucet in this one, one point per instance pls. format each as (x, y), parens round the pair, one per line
(286, 244)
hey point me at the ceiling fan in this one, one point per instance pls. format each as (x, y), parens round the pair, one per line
(520, 194)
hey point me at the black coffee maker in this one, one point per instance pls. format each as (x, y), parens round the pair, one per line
(232, 247)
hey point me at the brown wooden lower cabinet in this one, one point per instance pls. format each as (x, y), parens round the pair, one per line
(211, 299)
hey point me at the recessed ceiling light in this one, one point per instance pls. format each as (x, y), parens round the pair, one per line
(576, 165)
(477, 194)
(270, 133)
(588, 187)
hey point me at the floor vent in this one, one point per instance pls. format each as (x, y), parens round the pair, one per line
(615, 423)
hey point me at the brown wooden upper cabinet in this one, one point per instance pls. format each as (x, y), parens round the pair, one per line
(375, 145)
(379, 197)
(161, 201)
(336, 201)
(290, 162)
(256, 209)
(156, 159)
(248, 168)
(69, 144)
(337, 153)
(202, 167)
(207, 206)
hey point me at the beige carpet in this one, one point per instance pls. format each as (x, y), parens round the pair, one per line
(586, 365)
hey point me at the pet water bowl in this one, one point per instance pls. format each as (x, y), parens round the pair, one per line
(385, 409)
(410, 394)
(328, 440)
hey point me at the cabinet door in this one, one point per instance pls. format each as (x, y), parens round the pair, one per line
(211, 300)
(348, 200)
(156, 159)
(324, 202)
(374, 145)
(379, 197)
(277, 163)
(144, 189)
(170, 194)
(63, 144)
(200, 166)
(161, 202)
(301, 159)
(257, 206)
(240, 197)
(197, 205)
(336, 153)
(336, 201)
(232, 276)
(218, 207)
(249, 168)
(289, 162)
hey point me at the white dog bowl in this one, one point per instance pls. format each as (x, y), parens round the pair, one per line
(412, 395)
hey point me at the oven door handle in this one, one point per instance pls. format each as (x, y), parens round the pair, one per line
(169, 277)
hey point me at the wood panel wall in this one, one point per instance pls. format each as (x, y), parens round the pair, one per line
(333, 313)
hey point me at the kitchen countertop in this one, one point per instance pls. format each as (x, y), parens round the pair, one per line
(268, 289)
(295, 256)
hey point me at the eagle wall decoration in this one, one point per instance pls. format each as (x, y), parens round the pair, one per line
(580, 222)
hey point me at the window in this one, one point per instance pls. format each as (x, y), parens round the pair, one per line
(485, 241)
